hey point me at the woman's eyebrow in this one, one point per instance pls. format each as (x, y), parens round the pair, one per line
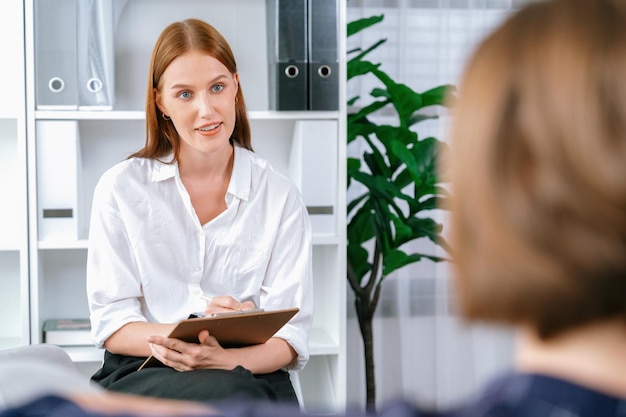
(183, 85)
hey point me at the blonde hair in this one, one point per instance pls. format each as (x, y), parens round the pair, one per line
(538, 168)
(175, 40)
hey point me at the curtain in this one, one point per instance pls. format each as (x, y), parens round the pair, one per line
(423, 351)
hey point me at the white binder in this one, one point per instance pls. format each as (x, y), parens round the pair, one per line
(74, 54)
(58, 186)
(95, 54)
(55, 55)
(313, 167)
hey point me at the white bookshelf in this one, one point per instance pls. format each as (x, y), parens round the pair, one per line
(57, 267)
(13, 182)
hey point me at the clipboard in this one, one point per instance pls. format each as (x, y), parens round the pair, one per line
(235, 329)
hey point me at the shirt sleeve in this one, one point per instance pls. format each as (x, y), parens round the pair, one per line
(289, 277)
(113, 286)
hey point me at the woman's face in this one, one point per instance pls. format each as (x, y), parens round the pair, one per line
(198, 93)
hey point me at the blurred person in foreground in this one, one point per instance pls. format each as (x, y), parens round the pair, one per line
(538, 209)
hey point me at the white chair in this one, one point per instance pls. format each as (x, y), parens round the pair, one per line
(29, 372)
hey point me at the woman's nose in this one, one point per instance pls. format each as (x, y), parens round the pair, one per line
(205, 106)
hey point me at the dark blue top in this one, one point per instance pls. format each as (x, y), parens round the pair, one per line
(530, 395)
(514, 395)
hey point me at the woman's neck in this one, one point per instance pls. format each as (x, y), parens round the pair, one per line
(193, 164)
(593, 355)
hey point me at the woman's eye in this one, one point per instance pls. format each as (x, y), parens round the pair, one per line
(217, 88)
(184, 94)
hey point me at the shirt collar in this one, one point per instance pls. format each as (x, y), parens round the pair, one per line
(240, 180)
(164, 169)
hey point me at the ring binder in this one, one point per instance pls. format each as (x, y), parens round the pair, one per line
(56, 84)
(287, 50)
(74, 54)
(323, 55)
(95, 56)
(55, 55)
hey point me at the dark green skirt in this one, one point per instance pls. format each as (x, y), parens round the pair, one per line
(119, 373)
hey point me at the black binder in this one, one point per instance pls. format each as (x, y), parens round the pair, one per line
(55, 54)
(323, 55)
(287, 50)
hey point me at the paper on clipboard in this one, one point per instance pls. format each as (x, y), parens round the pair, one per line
(231, 330)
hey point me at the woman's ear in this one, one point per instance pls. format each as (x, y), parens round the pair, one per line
(157, 100)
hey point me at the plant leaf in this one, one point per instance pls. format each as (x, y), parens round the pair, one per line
(355, 68)
(357, 256)
(396, 259)
(403, 231)
(440, 95)
(361, 226)
(363, 53)
(359, 126)
(419, 117)
(360, 24)
(365, 111)
(424, 227)
(353, 100)
(388, 135)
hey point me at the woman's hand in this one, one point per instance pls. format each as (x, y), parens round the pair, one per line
(209, 354)
(183, 356)
(226, 303)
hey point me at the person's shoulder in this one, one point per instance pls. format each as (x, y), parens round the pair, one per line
(532, 395)
(128, 170)
(263, 170)
(257, 162)
(123, 167)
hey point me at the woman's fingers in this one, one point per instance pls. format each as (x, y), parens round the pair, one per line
(225, 303)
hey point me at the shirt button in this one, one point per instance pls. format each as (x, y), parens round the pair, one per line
(197, 269)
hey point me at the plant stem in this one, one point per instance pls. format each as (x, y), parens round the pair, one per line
(365, 324)
(366, 301)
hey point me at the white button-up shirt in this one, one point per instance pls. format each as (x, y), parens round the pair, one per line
(150, 259)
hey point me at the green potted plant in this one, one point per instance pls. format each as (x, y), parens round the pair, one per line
(397, 183)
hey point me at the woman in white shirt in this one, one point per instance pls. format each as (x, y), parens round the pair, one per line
(196, 214)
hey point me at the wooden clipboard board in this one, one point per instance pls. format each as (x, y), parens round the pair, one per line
(231, 329)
